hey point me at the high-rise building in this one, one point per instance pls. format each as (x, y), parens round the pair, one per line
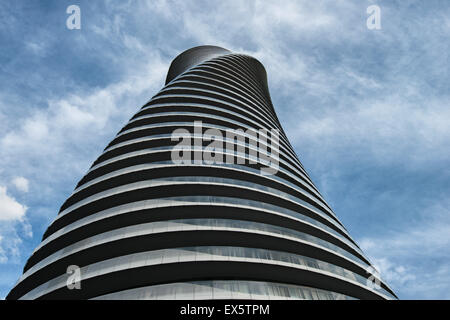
(200, 196)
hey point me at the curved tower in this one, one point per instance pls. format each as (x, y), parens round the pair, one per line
(199, 196)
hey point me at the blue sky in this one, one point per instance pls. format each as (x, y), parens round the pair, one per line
(368, 111)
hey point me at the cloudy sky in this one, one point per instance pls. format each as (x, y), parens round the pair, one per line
(368, 111)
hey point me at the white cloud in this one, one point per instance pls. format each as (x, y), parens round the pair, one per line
(10, 244)
(393, 273)
(415, 260)
(3, 257)
(36, 48)
(61, 138)
(27, 228)
(10, 209)
(21, 184)
(12, 217)
(387, 129)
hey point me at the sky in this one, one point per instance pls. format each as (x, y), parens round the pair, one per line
(367, 110)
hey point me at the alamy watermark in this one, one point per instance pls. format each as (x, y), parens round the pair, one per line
(74, 20)
(74, 278)
(373, 22)
(236, 146)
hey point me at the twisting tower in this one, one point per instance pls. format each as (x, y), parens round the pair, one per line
(140, 225)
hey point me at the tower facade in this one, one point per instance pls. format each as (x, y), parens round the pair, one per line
(200, 196)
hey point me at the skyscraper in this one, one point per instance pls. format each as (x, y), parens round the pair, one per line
(200, 196)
